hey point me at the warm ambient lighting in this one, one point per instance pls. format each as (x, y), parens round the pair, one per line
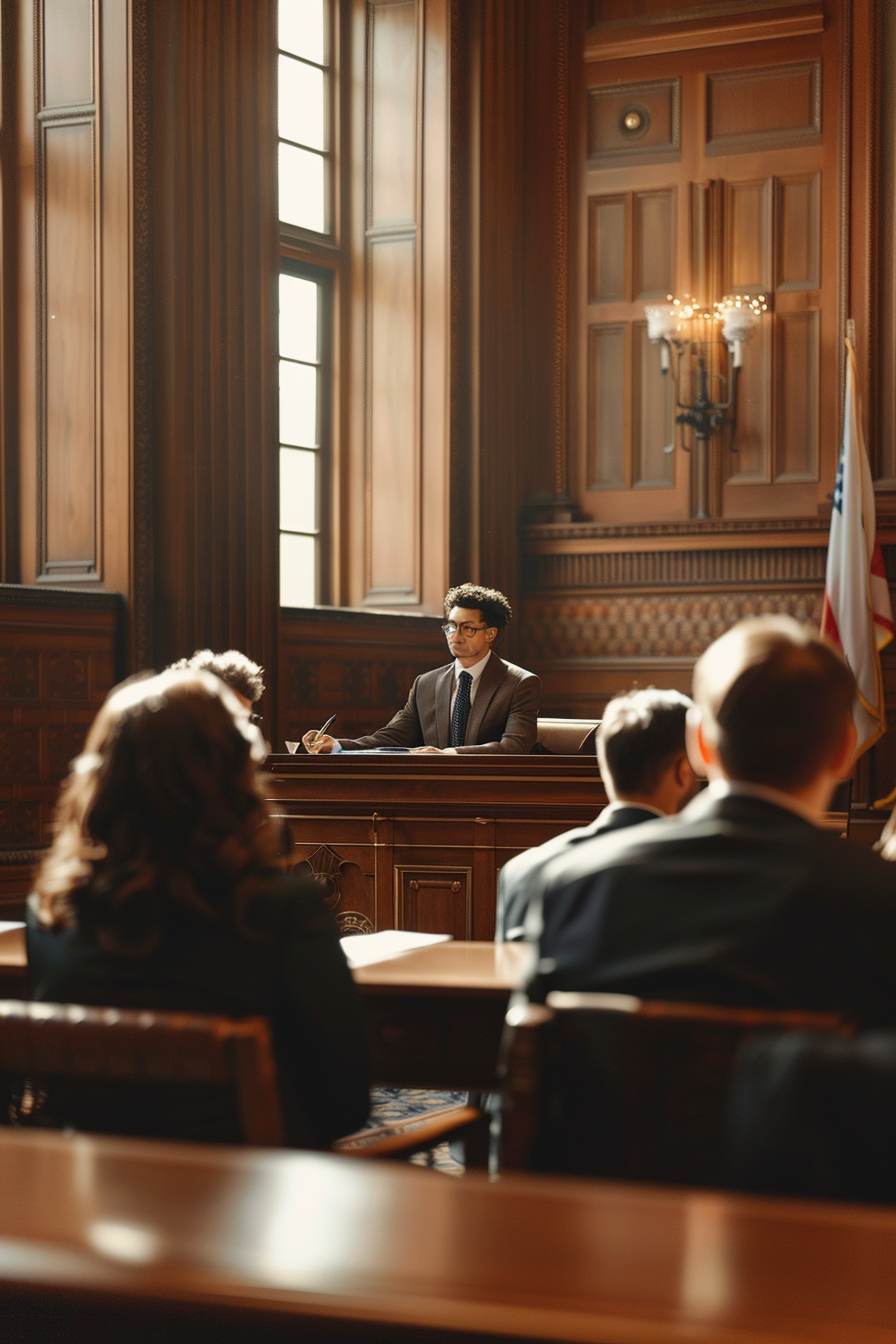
(708, 345)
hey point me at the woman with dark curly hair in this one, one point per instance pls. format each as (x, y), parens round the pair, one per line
(164, 889)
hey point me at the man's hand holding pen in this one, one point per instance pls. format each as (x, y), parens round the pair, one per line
(319, 741)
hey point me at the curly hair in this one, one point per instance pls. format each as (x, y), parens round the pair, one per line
(233, 667)
(496, 610)
(162, 806)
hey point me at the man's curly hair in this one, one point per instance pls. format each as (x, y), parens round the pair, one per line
(233, 668)
(496, 610)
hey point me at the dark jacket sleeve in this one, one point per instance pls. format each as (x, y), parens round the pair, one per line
(521, 725)
(403, 730)
(318, 1024)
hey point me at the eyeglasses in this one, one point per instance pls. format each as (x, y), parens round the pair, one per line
(256, 720)
(468, 631)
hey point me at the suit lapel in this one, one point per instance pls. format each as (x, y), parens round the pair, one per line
(491, 679)
(444, 689)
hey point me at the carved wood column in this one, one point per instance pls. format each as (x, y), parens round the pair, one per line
(211, 251)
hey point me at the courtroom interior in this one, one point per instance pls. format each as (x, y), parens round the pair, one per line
(464, 371)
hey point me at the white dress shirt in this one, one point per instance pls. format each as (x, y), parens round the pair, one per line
(475, 672)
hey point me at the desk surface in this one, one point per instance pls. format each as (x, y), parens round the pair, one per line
(314, 1235)
(445, 967)
(486, 968)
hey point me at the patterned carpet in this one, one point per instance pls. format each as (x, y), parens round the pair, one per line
(388, 1104)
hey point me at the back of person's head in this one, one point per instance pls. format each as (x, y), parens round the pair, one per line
(162, 803)
(640, 735)
(234, 668)
(775, 701)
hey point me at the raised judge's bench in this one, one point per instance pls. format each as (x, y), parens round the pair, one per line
(415, 842)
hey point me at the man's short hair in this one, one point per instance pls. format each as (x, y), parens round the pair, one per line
(495, 608)
(778, 699)
(233, 667)
(641, 733)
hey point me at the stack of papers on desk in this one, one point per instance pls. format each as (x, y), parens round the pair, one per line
(7, 925)
(364, 949)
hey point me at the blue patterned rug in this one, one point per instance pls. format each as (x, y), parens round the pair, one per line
(388, 1104)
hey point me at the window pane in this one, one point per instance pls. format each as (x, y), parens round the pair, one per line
(298, 564)
(298, 489)
(302, 188)
(301, 103)
(298, 319)
(301, 28)
(298, 404)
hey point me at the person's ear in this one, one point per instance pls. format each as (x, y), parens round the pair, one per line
(701, 750)
(491, 632)
(842, 761)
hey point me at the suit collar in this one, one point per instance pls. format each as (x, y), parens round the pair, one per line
(494, 673)
(743, 808)
(444, 690)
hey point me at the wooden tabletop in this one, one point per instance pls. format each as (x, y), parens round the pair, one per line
(325, 1236)
(447, 968)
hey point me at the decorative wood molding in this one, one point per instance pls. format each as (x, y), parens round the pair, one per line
(644, 99)
(592, 630)
(755, 138)
(718, 25)
(561, 316)
(768, 567)
(141, 631)
(21, 595)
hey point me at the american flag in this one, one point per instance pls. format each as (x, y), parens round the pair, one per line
(857, 614)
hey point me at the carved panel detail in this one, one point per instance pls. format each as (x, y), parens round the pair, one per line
(65, 677)
(20, 753)
(752, 567)
(631, 122)
(64, 743)
(20, 825)
(351, 922)
(19, 676)
(434, 900)
(326, 866)
(595, 628)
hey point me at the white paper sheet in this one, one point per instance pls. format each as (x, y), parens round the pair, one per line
(7, 925)
(364, 949)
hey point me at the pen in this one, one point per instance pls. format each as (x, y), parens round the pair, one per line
(320, 732)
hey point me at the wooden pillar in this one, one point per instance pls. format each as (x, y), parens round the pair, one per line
(208, 546)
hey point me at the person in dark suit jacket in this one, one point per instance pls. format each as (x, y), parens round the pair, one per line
(741, 899)
(164, 889)
(478, 703)
(646, 772)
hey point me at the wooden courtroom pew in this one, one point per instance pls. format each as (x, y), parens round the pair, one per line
(132, 1240)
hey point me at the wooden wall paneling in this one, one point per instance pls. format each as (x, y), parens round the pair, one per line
(619, 30)
(71, 311)
(608, 446)
(360, 665)
(67, 240)
(60, 653)
(773, 107)
(653, 244)
(632, 122)
(400, 301)
(214, 306)
(394, 144)
(796, 430)
(883, 350)
(653, 415)
(798, 232)
(9, 334)
(609, 231)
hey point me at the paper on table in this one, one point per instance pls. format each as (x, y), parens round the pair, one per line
(368, 948)
(7, 925)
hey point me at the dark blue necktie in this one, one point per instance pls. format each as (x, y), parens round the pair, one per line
(461, 711)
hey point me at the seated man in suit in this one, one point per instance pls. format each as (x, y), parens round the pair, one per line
(741, 899)
(646, 772)
(478, 703)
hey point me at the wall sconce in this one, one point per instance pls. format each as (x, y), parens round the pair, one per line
(703, 362)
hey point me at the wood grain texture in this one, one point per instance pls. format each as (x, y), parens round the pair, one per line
(212, 221)
(60, 653)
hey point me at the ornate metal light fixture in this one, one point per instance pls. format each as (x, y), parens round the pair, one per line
(703, 349)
